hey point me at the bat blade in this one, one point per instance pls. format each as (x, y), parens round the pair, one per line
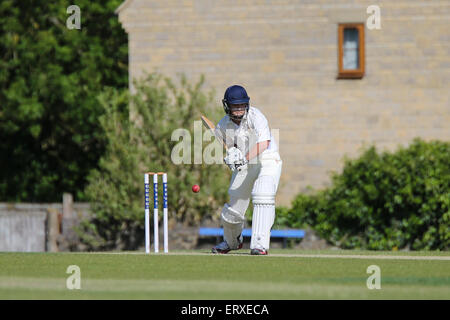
(210, 125)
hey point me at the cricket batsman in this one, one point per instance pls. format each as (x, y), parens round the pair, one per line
(252, 155)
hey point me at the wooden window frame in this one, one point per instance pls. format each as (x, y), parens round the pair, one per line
(356, 73)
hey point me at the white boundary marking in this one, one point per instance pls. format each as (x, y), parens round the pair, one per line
(286, 255)
(356, 256)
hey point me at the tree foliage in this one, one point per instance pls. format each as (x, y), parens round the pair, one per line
(49, 79)
(143, 142)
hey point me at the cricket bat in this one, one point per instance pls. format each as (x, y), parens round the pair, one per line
(210, 125)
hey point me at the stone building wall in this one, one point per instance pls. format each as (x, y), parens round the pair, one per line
(284, 53)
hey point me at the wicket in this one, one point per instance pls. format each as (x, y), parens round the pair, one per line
(155, 211)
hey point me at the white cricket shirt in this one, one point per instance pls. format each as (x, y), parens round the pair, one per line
(253, 128)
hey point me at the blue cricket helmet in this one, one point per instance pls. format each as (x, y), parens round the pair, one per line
(235, 95)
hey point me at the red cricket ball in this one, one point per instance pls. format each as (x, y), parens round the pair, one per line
(195, 188)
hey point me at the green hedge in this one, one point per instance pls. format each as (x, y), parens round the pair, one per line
(384, 201)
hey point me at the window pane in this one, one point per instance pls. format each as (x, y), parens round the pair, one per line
(351, 49)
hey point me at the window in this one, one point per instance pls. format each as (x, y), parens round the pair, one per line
(351, 50)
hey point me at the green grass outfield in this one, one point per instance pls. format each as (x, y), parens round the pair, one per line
(284, 274)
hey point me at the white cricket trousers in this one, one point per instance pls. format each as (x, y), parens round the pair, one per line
(259, 182)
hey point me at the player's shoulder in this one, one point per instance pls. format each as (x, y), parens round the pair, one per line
(256, 113)
(224, 121)
(253, 109)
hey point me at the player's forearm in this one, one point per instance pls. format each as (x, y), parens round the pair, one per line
(259, 148)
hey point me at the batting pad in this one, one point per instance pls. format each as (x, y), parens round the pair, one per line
(231, 215)
(233, 223)
(263, 196)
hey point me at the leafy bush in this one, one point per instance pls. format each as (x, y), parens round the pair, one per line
(383, 201)
(138, 142)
